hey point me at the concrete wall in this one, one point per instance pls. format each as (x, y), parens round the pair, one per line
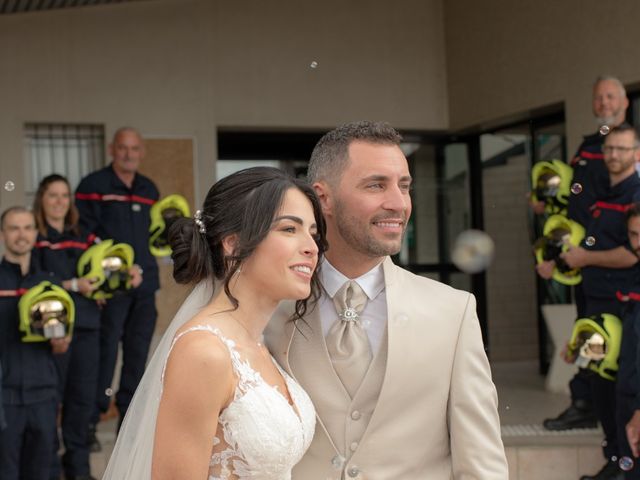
(182, 68)
(506, 57)
(511, 286)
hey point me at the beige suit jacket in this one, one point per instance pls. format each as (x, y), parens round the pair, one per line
(427, 408)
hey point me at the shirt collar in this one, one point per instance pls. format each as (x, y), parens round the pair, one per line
(372, 282)
(33, 264)
(115, 179)
(625, 184)
(53, 234)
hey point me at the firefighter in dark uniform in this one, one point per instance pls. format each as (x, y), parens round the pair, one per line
(608, 266)
(114, 203)
(628, 379)
(59, 245)
(30, 379)
(590, 183)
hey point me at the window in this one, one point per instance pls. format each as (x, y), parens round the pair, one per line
(69, 150)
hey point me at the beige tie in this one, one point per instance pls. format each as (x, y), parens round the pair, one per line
(347, 342)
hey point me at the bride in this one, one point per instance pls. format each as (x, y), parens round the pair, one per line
(213, 404)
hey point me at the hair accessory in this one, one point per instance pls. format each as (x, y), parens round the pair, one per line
(197, 218)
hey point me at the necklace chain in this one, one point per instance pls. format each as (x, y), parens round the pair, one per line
(245, 329)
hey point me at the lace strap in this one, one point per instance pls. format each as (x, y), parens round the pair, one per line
(246, 375)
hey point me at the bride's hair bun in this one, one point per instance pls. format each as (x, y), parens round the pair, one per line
(191, 255)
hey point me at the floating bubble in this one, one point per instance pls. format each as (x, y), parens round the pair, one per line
(472, 251)
(576, 188)
(314, 64)
(338, 462)
(590, 241)
(626, 464)
(604, 129)
(108, 392)
(9, 186)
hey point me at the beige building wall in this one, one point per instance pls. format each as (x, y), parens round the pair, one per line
(507, 57)
(511, 284)
(183, 68)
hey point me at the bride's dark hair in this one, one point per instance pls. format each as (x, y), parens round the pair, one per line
(245, 204)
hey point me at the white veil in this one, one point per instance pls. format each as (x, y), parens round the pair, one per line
(131, 457)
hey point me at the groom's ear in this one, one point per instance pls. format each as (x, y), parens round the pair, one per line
(229, 244)
(324, 193)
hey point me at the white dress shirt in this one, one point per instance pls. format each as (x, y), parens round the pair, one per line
(374, 315)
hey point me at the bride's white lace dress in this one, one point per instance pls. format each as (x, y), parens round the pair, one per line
(260, 435)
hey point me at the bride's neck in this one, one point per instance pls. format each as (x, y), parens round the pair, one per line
(254, 309)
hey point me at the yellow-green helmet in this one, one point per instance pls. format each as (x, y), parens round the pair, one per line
(46, 311)
(551, 183)
(559, 234)
(163, 213)
(596, 343)
(107, 265)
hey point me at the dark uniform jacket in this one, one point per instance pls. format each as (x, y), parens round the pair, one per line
(590, 172)
(607, 230)
(3, 423)
(627, 380)
(28, 369)
(110, 209)
(59, 253)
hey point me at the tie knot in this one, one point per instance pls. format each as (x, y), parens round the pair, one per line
(349, 301)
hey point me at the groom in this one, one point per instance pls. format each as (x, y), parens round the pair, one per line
(393, 362)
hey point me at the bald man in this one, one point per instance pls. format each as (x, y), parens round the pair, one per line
(114, 202)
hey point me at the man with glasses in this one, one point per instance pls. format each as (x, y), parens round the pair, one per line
(608, 266)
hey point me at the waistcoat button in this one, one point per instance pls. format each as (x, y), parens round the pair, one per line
(353, 472)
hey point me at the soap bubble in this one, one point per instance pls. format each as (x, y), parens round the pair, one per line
(9, 186)
(626, 464)
(576, 188)
(473, 251)
(314, 64)
(604, 129)
(590, 241)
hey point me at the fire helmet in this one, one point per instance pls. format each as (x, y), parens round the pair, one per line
(163, 213)
(596, 343)
(551, 183)
(107, 265)
(46, 311)
(560, 233)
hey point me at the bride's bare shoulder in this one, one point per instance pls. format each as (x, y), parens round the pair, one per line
(197, 342)
(199, 365)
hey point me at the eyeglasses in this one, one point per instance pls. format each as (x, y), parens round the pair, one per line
(612, 148)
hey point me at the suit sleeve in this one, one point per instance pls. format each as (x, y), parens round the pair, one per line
(88, 209)
(477, 451)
